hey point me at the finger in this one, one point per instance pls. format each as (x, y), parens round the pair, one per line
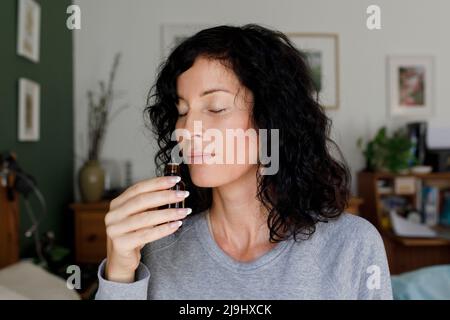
(144, 202)
(154, 184)
(145, 220)
(133, 240)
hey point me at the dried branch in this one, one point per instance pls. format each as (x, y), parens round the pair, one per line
(99, 110)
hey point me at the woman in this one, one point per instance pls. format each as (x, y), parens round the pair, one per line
(250, 235)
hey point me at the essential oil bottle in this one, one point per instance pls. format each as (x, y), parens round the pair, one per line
(173, 169)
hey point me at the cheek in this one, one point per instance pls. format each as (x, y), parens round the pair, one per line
(242, 144)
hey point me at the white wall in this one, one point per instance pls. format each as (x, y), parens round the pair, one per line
(411, 27)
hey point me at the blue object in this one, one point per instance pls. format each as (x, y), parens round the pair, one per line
(431, 283)
(445, 215)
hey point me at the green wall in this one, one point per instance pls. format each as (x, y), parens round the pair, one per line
(50, 160)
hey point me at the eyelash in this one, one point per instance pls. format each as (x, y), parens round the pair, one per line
(218, 111)
(213, 111)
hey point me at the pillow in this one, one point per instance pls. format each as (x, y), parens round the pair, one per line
(430, 283)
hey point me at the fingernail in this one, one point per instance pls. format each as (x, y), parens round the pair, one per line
(175, 179)
(185, 211)
(182, 194)
(175, 224)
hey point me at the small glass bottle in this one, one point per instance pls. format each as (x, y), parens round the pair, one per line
(173, 169)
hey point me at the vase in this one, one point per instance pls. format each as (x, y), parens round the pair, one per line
(92, 181)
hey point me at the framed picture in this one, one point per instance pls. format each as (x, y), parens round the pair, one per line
(173, 34)
(29, 28)
(29, 110)
(322, 53)
(410, 81)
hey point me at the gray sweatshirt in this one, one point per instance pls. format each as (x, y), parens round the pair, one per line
(344, 259)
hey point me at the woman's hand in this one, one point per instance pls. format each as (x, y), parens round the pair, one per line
(134, 220)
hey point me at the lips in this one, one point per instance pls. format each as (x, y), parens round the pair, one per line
(198, 156)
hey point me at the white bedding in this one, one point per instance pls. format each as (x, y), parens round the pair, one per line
(24, 280)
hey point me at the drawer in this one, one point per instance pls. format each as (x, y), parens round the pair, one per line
(90, 237)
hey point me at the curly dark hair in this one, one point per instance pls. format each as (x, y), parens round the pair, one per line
(310, 185)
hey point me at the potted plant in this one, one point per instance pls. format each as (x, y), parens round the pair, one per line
(391, 153)
(92, 175)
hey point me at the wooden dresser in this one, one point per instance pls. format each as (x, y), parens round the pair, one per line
(9, 228)
(90, 234)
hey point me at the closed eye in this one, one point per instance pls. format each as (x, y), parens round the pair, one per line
(218, 110)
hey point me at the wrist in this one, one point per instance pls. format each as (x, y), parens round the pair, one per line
(119, 275)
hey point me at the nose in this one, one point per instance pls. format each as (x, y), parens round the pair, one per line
(189, 122)
(193, 125)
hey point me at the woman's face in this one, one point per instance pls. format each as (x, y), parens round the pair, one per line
(215, 110)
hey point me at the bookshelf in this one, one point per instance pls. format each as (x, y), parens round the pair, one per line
(404, 253)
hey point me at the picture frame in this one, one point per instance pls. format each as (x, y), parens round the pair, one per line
(410, 86)
(174, 34)
(322, 53)
(29, 29)
(28, 110)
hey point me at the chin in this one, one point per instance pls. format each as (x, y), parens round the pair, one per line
(206, 175)
(213, 175)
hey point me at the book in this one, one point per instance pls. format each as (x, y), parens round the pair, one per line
(430, 205)
(445, 213)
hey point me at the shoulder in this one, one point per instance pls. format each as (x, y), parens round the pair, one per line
(350, 250)
(351, 242)
(348, 233)
(186, 230)
(350, 227)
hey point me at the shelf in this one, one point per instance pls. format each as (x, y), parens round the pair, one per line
(410, 241)
(384, 194)
(432, 175)
(404, 253)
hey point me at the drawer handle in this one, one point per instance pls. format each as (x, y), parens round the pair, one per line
(92, 238)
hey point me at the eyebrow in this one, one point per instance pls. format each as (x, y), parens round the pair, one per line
(209, 91)
(204, 93)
